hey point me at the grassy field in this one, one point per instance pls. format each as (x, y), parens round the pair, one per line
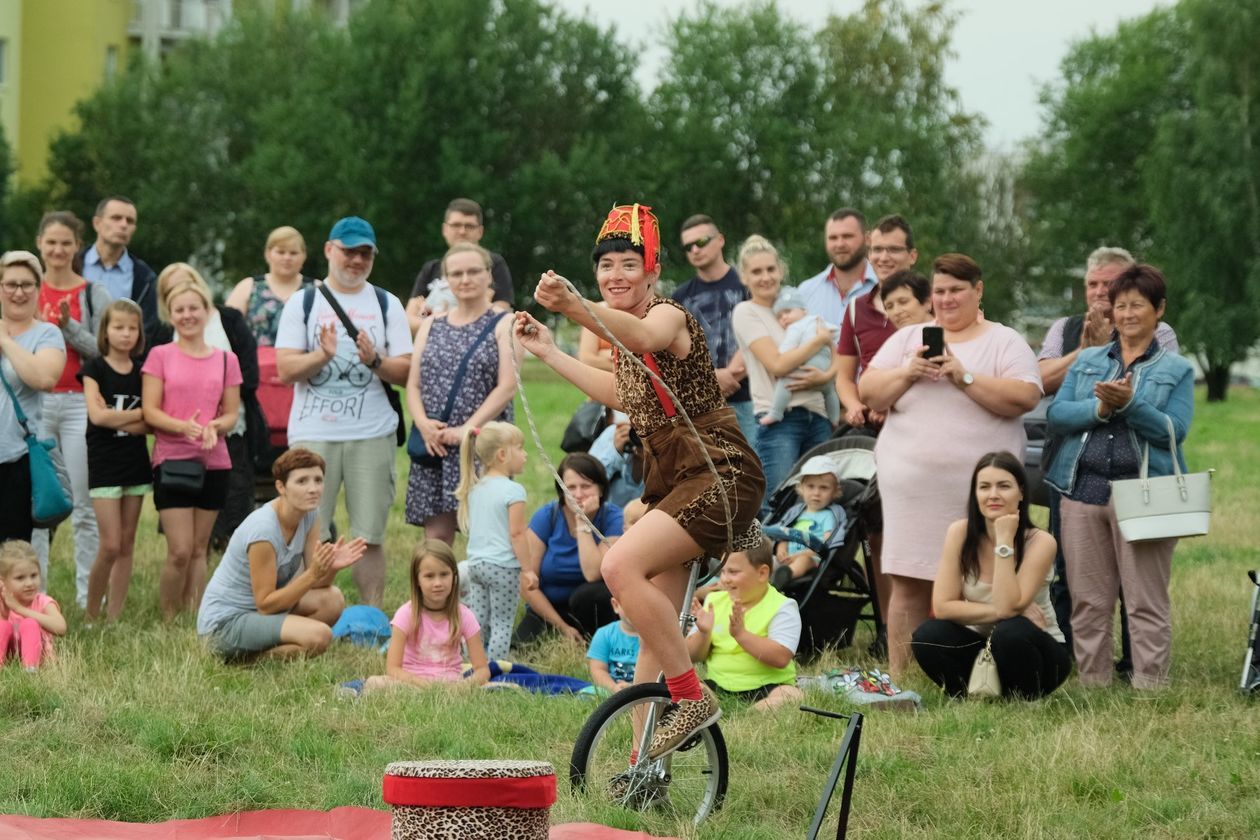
(133, 722)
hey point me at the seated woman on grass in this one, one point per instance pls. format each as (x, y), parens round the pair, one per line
(994, 583)
(273, 591)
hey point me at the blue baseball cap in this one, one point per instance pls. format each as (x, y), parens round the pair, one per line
(353, 232)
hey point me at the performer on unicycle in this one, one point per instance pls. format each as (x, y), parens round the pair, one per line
(687, 516)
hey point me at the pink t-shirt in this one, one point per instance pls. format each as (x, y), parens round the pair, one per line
(430, 656)
(190, 384)
(38, 604)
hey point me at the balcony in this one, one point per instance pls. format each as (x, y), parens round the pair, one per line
(157, 21)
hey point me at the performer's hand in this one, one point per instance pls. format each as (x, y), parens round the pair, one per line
(533, 335)
(553, 294)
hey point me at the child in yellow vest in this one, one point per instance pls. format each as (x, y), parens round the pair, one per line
(747, 632)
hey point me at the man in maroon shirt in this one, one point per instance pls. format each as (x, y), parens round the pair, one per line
(863, 330)
(865, 327)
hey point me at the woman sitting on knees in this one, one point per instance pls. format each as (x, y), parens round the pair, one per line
(994, 580)
(272, 592)
(571, 596)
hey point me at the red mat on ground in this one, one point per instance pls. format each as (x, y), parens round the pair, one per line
(337, 824)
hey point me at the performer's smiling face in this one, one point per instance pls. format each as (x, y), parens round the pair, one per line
(622, 280)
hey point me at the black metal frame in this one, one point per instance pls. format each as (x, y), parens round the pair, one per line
(847, 759)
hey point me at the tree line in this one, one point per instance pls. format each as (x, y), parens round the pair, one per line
(760, 121)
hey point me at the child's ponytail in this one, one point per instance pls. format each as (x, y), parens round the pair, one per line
(482, 443)
(467, 475)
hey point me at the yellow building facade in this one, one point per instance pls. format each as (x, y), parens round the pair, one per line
(56, 52)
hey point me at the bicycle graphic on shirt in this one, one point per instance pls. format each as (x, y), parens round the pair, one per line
(338, 389)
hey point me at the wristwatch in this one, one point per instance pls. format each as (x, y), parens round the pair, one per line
(376, 362)
(1004, 551)
(967, 379)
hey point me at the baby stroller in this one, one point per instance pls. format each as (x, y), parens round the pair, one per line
(838, 594)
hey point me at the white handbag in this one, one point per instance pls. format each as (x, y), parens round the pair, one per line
(984, 681)
(1178, 505)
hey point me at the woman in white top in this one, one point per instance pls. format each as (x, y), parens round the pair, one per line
(994, 582)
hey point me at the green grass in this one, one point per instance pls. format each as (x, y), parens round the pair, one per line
(135, 723)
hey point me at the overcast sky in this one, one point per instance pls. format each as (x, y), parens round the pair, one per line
(1005, 49)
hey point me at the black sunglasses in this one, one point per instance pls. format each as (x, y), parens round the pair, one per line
(699, 243)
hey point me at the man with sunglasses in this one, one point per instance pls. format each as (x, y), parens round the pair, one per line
(341, 410)
(711, 295)
(462, 222)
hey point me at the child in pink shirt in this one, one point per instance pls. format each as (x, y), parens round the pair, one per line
(28, 618)
(429, 651)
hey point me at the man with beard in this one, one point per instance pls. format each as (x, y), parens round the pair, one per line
(341, 407)
(827, 294)
(711, 296)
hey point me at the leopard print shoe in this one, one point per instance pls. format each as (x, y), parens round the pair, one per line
(683, 719)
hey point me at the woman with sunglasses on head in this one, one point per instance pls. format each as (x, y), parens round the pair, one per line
(32, 356)
(691, 512)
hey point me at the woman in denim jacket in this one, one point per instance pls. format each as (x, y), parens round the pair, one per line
(1117, 400)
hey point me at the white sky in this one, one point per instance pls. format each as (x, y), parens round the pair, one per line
(1005, 49)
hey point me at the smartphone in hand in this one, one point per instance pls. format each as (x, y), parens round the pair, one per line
(934, 338)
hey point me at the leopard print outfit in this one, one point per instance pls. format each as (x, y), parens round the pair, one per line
(676, 478)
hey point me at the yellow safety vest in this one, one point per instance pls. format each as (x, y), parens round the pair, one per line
(728, 664)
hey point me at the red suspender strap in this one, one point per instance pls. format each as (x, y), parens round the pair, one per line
(667, 405)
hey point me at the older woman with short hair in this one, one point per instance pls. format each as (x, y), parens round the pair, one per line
(32, 355)
(943, 414)
(1117, 401)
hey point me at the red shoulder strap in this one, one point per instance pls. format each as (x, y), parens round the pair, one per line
(667, 405)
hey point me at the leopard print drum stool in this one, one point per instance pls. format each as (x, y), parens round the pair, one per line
(470, 800)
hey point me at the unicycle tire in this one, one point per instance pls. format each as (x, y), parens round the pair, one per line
(690, 782)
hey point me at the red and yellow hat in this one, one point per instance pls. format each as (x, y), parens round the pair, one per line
(637, 223)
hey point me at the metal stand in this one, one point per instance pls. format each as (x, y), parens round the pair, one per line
(847, 759)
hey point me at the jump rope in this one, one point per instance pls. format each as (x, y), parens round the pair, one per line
(624, 354)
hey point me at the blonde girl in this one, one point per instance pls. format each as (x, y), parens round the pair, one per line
(119, 475)
(497, 542)
(191, 396)
(28, 617)
(426, 631)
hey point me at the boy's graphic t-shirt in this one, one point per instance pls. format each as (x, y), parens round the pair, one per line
(432, 656)
(816, 523)
(617, 649)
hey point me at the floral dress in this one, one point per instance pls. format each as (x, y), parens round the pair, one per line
(262, 313)
(431, 490)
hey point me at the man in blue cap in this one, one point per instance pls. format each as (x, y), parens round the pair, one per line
(341, 397)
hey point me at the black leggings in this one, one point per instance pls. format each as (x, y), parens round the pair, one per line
(589, 608)
(1030, 662)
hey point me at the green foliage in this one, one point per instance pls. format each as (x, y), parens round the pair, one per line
(7, 168)
(1152, 142)
(761, 122)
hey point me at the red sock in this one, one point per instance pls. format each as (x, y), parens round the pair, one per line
(684, 686)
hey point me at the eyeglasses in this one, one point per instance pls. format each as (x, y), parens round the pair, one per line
(367, 253)
(890, 250)
(463, 227)
(698, 244)
(13, 288)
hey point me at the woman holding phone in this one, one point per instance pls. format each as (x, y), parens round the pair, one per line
(944, 410)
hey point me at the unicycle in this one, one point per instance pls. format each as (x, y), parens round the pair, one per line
(689, 782)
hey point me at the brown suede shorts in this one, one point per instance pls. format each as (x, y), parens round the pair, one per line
(678, 481)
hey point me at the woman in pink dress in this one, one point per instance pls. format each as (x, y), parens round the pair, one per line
(943, 414)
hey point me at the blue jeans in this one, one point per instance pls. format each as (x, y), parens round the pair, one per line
(779, 445)
(747, 421)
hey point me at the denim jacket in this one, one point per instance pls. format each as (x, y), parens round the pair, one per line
(1163, 387)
